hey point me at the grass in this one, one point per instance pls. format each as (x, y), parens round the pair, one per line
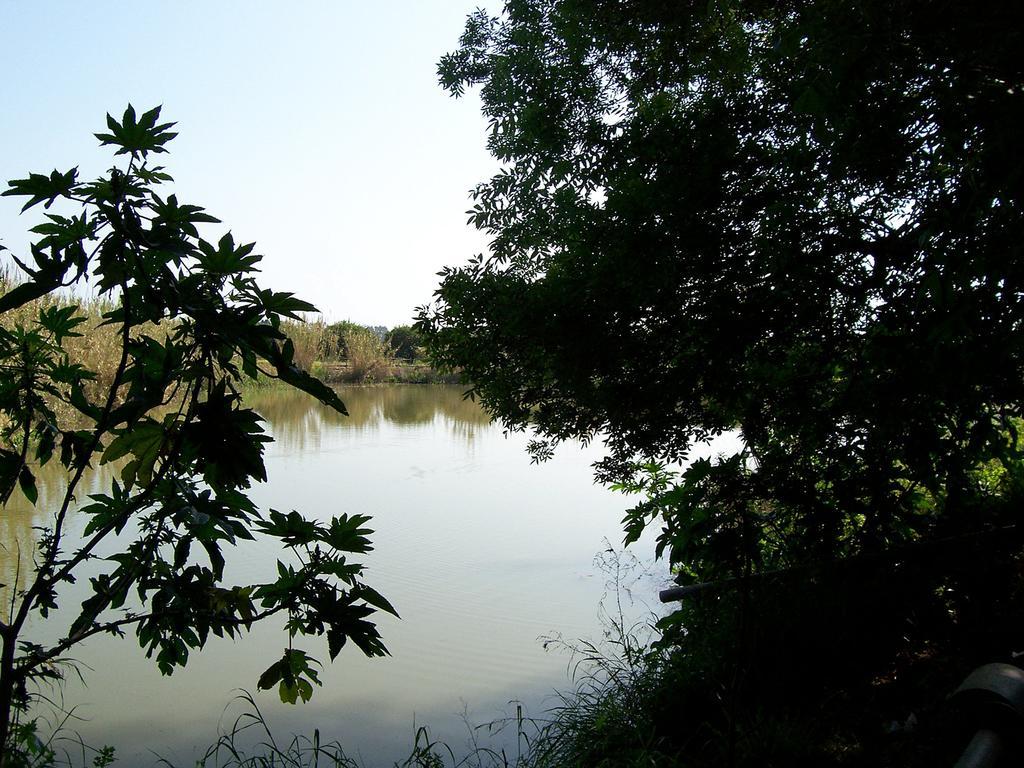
(298, 751)
(604, 720)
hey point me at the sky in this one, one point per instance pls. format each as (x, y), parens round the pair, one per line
(316, 129)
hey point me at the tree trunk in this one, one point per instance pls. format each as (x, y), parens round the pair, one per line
(6, 697)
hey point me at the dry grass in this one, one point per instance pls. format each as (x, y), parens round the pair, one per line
(98, 348)
(369, 358)
(312, 341)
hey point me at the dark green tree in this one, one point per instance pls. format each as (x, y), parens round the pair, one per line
(193, 325)
(405, 342)
(797, 221)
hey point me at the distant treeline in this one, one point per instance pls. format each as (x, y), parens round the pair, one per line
(343, 351)
(350, 352)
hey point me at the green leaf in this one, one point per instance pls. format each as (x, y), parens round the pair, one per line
(137, 137)
(346, 534)
(335, 642)
(168, 213)
(374, 598)
(27, 482)
(226, 258)
(294, 676)
(272, 675)
(61, 321)
(47, 435)
(38, 187)
(144, 441)
(226, 441)
(24, 293)
(288, 692)
(293, 529)
(283, 303)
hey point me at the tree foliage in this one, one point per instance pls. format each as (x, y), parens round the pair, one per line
(800, 221)
(193, 325)
(406, 342)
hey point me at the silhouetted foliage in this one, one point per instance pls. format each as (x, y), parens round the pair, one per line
(192, 325)
(798, 221)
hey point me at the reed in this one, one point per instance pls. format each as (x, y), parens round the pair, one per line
(98, 348)
(313, 342)
(300, 751)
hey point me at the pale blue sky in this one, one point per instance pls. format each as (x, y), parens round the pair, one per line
(316, 129)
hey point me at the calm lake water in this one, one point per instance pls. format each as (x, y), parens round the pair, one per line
(482, 554)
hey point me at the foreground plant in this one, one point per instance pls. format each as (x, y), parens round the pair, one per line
(193, 324)
(251, 743)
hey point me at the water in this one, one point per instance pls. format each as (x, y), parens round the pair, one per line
(482, 554)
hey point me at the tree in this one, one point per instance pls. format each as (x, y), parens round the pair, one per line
(405, 342)
(192, 325)
(766, 217)
(796, 221)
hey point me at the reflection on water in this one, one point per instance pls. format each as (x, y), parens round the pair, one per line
(299, 422)
(21, 522)
(481, 553)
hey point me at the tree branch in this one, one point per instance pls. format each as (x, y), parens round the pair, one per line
(37, 660)
(101, 427)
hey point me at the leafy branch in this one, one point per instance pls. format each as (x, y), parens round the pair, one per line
(192, 325)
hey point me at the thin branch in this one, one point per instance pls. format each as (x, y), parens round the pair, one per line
(101, 427)
(112, 626)
(139, 503)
